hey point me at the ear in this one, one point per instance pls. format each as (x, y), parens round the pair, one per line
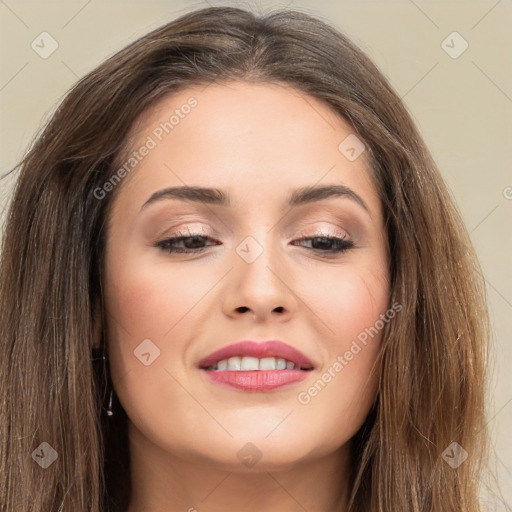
(97, 326)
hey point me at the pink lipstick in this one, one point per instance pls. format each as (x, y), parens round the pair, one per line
(256, 366)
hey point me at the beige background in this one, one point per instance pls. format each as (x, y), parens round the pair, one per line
(463, 107)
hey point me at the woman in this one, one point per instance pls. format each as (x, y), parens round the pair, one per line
(233, 279)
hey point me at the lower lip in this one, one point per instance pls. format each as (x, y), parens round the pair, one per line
(256, 380)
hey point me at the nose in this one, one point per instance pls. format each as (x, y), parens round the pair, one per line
(260, 288)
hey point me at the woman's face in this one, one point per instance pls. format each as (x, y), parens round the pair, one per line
(259, 266)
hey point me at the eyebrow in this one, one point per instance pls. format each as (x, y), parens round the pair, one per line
(215, 196)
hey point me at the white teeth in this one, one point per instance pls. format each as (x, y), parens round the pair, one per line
(250, 363)
(253, 363)
(281, 364)
(234, 363)
(268, 363)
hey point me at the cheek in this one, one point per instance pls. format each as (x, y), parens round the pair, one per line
(349, 303)
(149, 299)
(352, 312)
(147, 302)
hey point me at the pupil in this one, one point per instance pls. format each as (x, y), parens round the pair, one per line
(323, 242)
(194, 241)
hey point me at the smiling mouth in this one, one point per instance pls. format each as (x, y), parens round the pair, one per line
(248, 363)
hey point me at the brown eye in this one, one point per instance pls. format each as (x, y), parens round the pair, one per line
(329, 244)
(184, 244)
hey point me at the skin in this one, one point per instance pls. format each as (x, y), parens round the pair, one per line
(257, 142)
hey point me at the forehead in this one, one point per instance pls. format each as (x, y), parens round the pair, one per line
(257, 139)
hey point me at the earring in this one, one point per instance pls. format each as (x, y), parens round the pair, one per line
(109, 409)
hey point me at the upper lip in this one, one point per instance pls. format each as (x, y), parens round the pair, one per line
(259, 349)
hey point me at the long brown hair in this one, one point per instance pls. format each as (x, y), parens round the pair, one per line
(433, 356)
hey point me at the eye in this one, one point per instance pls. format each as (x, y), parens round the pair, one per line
(328, 244)
(192, 243)
(195, 243)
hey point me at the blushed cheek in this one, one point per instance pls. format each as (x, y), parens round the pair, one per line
(351, 311)
(146, 300)
(140, 307)
(367, 300)
(150, 302)
(349, 306)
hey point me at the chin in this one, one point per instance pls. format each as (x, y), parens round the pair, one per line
(257, 454)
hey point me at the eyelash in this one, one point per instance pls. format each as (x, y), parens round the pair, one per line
(341, 242)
